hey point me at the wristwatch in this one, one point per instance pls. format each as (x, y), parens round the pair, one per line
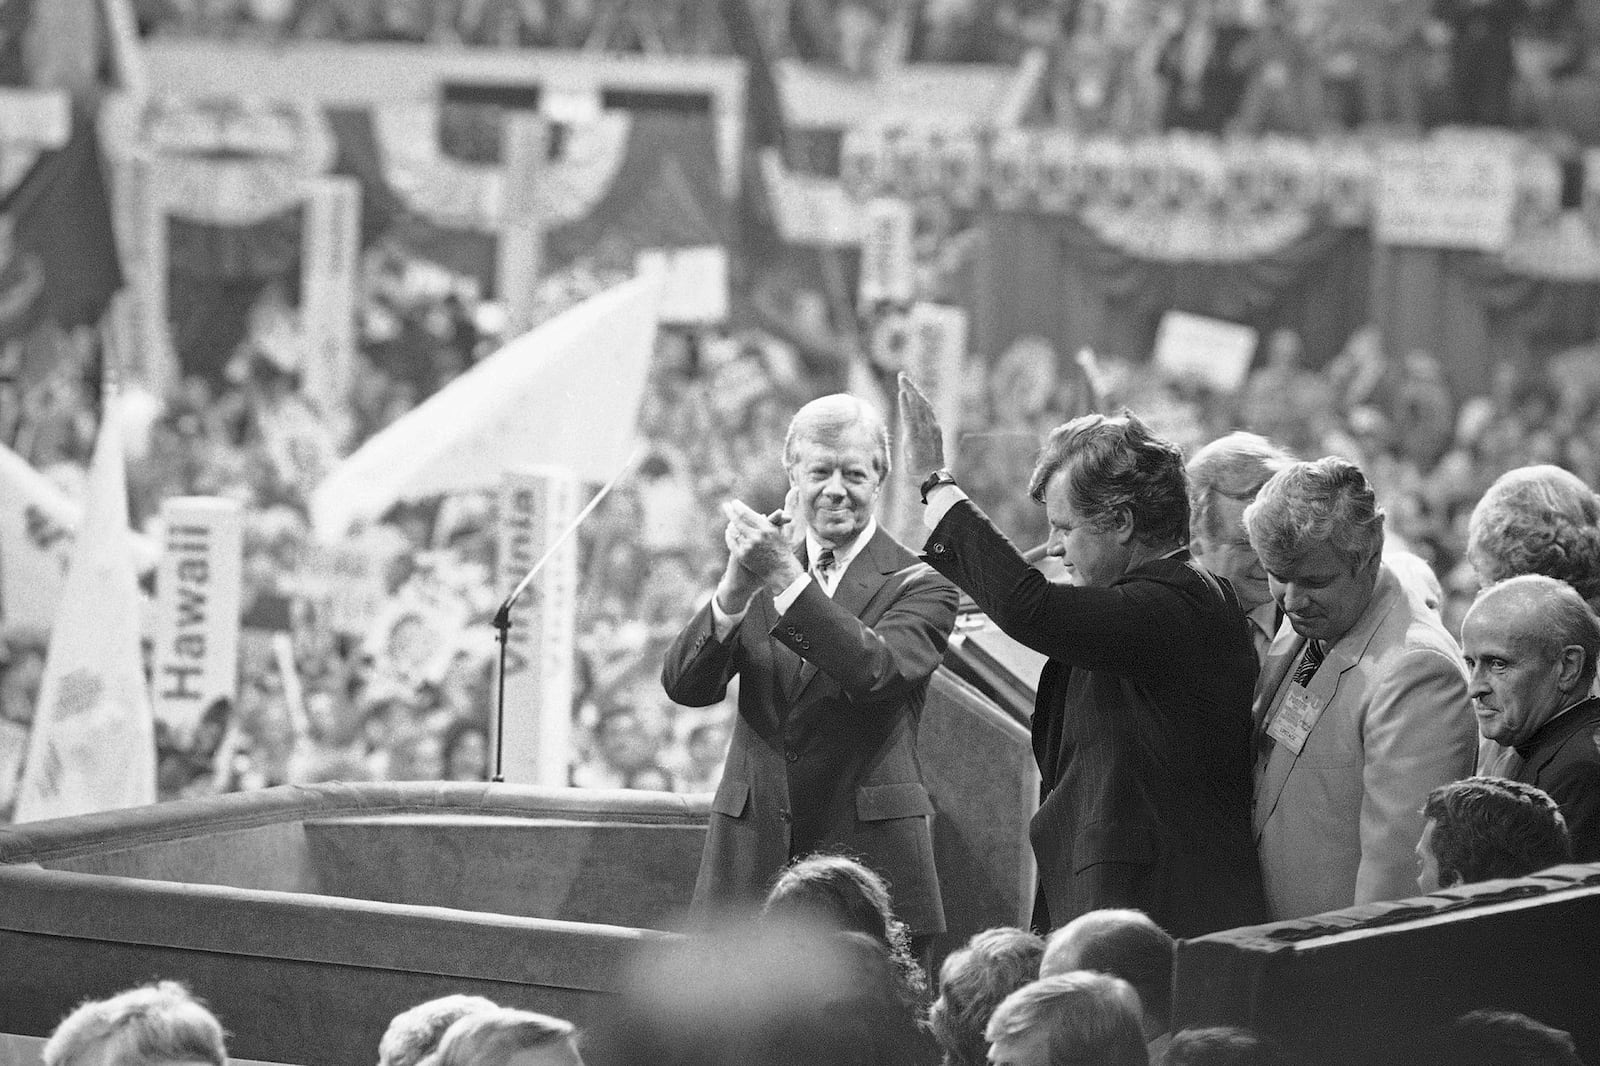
(939, 477)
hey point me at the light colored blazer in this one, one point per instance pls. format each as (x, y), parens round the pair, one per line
(1337, 824)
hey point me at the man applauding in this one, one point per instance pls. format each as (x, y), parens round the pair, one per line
(833, 629)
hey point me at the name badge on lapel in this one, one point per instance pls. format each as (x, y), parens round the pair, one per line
(1295, 719)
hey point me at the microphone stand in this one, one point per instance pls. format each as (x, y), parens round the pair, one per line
(502, 617)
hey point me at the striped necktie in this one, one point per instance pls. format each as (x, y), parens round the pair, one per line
(1309, 663)
(823, 567)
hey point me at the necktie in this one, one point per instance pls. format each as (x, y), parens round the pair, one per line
(1309, 663)
(823, 567)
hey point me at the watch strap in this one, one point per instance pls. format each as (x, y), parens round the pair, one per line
(939, 477)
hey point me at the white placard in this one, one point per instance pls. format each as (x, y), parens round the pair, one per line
(144, 342)
(330, 257)
(695, 289)
(888, 268)
(520, 249)
(1446, 194)
(809, 209)
(1210, 349)
(536, 505)
(348, 580)
(935, 359)
(198, 592)
(39, 118)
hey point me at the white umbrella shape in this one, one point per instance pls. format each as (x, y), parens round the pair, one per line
(566, 393)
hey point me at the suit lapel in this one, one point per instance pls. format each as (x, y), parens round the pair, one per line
(1281, 657)
(1324, 685)
(866, 574)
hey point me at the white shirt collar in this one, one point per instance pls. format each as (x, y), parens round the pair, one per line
(841, 556)
(1264, 615)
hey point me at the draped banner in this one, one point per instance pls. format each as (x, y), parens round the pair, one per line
(1055, 277)
(624, 180)
(58, 254)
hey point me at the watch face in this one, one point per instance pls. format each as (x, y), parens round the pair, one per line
(934, 480)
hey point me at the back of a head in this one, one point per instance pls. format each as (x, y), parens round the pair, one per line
(1123, 943)
(1499, 1038)
(158, 1024)
(1488, 827)
(493, 1037)
(1538, 520)
(773, 993)
(1235, 465)
(1083, 1018)
(1222, 1045)
(973, 981)
(834, 891)
(415, 1033)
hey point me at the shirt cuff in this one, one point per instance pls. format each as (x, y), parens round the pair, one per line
(940, 500)
(723, 623)
(785, 599)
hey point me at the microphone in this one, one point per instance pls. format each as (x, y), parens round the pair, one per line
(502, 617)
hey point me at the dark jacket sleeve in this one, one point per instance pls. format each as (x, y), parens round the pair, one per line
(881, 662)
(1575, 786)
(1131, 627)
(698, 666)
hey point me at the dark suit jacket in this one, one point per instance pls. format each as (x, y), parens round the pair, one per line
(1563, 758)
(824, 750)
(1141, 729)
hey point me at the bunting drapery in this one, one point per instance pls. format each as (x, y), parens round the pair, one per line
(1054, 277)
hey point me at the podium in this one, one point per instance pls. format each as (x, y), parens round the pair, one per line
(308, 916)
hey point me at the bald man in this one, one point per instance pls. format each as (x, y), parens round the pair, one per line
(1127, 944)
(1530, 643)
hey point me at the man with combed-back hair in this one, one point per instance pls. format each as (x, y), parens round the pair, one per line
(1224, 477)
(158, 1024)
(1362, 705)
(1070, 1019)
(1487, 827)
(1530, 644)
(833, 629)
(1141, 726)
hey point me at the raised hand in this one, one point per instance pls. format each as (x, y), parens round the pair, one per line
(922, 437)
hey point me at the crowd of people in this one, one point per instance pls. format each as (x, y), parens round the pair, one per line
(713, 419)
(1127, 66)
(369, 702)
(825, 977)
